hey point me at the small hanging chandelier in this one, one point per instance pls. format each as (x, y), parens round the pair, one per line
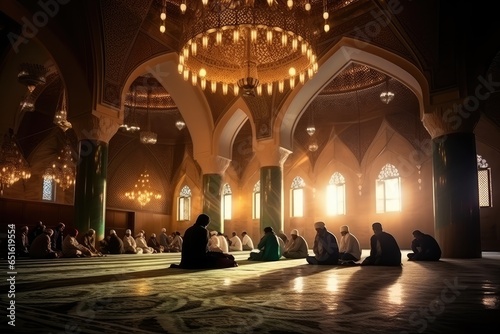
(148, 137)
(180, 124)
(142, 191)
(60, 117)
(31, 75)
(386, 96)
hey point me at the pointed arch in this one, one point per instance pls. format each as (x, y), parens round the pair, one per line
(187, 98)
(345, 52)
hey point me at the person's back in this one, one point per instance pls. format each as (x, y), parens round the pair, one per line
(115, 244)
(194, 250)
(384, 249)
(224, 246)
(425, 248)
(391, 254)
(246, 241)
(41, 248)
(269, 247)
(236, 244)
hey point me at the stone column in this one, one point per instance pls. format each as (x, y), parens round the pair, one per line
(454, 165)
(94, 133)
(213, 168)
(271, 158)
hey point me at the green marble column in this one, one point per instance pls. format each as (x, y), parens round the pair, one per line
(456, 198)
(90, 189)
(270, 197)
(212, 200)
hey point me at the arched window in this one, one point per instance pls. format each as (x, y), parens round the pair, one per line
(388, 190)
(256, 201)
(48, 189)
(184, 204)
(297, 197)
(484, 182)
(335, 195)
(227, 200)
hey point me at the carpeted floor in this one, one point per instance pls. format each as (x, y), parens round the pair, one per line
(141, 294)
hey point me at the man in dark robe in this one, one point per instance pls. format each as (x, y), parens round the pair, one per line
(195, 254)
(115, 244)
(384, 250)
(424, 247)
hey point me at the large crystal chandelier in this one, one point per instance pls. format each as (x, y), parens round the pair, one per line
(248, 44)
(142, 191)
(13, 166)
(62, 170)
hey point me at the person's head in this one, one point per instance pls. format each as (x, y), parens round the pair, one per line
(60, 226)
(233, 234)
(344, 229)
(377, 228)
(48, 231)
(320, 227)
(91, 232)
(128, 232)
(24, 229)
(268, 229)
(153, 235)
(203, 220)
(243, 233)
(73, 232)
(294, 234)
(212, 233)
(139, 235)
(417, 234)
(112, 232)
(163, 230)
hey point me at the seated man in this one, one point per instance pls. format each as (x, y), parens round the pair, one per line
(326, 249)
(297, 247)
(195, 254)
(236, 244)
(424, 247)
(246, 241)
(155, 244)
(384, 250)
(72, 248)
(129, 244)
(349, 249)
(269, 247)
(115, 244)
(140, 241)
(41, 247)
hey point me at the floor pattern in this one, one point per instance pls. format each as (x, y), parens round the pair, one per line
(141, 294)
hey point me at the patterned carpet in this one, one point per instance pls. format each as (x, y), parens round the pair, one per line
(141, 294)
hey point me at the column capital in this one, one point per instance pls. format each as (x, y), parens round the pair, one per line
(96, 126)
(270, 153)
(213, 164)
(451, 116)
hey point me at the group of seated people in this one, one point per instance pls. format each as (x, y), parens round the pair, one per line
(42, 242)
(140, 244)
(384, 249)
(201, 248)
(212, 251)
